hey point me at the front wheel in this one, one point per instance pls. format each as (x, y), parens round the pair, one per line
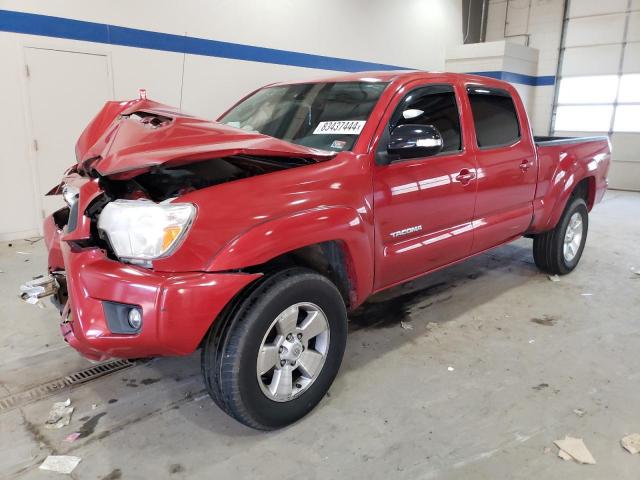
(280, 352)
(559, 250)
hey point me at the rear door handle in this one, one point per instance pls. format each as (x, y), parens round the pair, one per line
(525, 165)
(465, 176)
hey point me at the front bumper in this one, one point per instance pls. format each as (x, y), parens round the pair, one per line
(177, 308)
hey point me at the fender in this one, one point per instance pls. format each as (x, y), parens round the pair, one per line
(549, 208)
(279, 236)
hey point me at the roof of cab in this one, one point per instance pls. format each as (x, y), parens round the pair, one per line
(402, 77)
(393, 75)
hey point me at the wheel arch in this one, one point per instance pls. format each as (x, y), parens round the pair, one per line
(550, 211)
(332, 241)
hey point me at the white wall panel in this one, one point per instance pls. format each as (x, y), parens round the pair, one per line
(18, 206)
(624, 175)
(595, 30)
(625, 146)
(518, 16)
(594, 60)
(632, 58)
(496, 17)
(159, 73)
(581, 8)
(633, 34)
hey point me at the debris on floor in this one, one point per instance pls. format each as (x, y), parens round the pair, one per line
(451, 369)
(39, 287)
(532, 341)
(60, 463)
(574, 449)
(72, 437)
(406, 326)
(33, 240)
(553, 278)
(546, 320)
(586, 294)
(60, 414)
(631, 443)
(579, 411)
(22, 253)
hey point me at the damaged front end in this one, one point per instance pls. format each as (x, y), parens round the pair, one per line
(141, 219)
(128, 260)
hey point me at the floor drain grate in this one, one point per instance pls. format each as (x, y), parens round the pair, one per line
(54, 386)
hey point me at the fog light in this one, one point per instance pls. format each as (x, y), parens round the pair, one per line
(135, 318)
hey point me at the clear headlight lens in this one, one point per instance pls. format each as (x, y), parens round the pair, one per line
(143, 230)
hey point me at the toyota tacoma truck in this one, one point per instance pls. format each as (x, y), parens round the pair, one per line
(250, 238)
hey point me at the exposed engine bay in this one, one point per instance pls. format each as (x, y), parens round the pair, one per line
(161, 183)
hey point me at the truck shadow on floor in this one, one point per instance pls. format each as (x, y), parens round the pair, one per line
(411, 309)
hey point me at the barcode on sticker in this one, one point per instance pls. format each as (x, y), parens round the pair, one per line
(344, 127)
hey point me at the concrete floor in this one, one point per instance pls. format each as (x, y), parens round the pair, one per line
(525, 353)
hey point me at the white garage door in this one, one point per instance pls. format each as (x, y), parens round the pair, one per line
(66, 90)
(599, 88)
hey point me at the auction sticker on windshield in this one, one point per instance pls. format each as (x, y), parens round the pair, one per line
(344, 127)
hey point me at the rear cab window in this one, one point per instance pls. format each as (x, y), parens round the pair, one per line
(494, 117)
(325, 115)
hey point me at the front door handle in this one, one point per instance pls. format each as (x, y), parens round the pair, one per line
(525, 165)
(465, 176)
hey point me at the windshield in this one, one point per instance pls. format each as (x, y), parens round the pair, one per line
(329, 116)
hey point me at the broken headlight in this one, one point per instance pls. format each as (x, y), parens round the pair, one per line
(70, 194)
(141, 230)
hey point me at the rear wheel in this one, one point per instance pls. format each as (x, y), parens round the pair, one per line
(280, 351)
(559, 250)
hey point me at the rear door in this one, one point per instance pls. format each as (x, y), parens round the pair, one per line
(507, 170)
(423, 206)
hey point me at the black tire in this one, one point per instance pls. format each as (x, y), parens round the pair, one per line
(548, 251)
(231, 349)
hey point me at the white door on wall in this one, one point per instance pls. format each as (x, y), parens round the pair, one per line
(65, 90)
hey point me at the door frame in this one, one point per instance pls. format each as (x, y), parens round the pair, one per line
(59, 45)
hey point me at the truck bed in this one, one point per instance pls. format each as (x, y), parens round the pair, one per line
(541, 140)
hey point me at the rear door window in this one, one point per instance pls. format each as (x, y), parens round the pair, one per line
(494, 117)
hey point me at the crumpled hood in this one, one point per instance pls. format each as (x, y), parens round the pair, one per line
(128, 138)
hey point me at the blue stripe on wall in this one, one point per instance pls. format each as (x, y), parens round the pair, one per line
(44, 25)
(48, 26)
(521, 78)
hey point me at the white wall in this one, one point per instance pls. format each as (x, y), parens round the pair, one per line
(500, 56)
(538, 24)
(413, 33)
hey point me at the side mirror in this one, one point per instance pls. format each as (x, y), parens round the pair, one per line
(411, 141)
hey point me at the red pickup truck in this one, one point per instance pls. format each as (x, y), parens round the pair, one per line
(253, 236)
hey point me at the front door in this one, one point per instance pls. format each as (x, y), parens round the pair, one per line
(424, 206)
